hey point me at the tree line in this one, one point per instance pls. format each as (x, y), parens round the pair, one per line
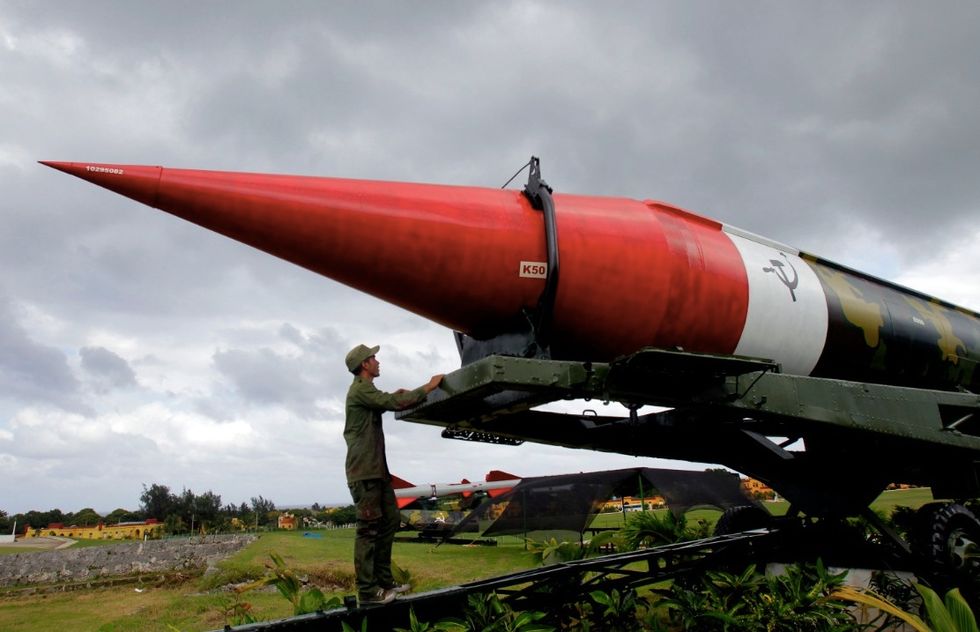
(185, 512)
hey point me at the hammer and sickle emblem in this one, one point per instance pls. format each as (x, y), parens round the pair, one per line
(778, 269)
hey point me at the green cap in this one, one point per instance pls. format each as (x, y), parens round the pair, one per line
(359, 354)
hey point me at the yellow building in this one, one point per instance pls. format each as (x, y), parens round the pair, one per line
(631, 503)
(149, 529)
(757, 489)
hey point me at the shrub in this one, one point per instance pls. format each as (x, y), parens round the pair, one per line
(647, 528)
(800, 600)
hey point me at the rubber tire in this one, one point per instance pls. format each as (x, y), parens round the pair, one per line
(742, 518)
(943, 530)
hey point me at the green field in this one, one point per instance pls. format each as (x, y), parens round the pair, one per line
(198, 603)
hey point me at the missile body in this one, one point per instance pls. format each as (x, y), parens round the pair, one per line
(407, 495)
(633, 273)
(496, 483)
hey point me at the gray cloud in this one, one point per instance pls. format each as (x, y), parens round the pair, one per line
(849, 130)
(32, 372)
(263, 376)
(296, 380)
(107, 367)
(775, 121)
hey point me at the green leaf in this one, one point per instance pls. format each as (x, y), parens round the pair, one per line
(533, 627)
(258, 583)
(284, 590)
(600, 540)
(960, 612)
(935, 610)
(600, 597)
(721, 616)
(277, 559)
(496, 606)
(748, 574)
(311, 601)
(414, 625)
(451, 624)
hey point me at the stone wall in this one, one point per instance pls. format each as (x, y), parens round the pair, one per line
(130, 558)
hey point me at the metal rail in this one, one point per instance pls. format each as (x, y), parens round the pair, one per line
(543, 588)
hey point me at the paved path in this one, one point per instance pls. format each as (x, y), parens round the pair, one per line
(48, 543)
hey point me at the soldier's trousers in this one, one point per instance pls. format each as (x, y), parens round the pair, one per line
(377, 521)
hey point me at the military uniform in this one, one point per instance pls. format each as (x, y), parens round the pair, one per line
(369, 480)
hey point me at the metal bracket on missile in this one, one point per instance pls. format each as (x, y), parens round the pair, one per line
(532, 338)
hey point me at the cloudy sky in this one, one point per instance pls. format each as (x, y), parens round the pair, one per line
(136, 348)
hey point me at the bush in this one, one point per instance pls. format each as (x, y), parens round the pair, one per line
(647, 528)
(800, 600)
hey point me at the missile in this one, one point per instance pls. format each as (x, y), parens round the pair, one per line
(406, 493)
(633, 274)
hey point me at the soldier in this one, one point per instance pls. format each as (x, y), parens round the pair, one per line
(368, 477)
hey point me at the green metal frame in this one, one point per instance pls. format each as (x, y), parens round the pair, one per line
(740, 412)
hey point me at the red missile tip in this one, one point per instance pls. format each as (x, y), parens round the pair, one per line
(138, 182)
(76, 169)
(82, 169)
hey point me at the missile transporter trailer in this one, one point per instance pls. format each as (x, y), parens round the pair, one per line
(829, 447)
(866, 383)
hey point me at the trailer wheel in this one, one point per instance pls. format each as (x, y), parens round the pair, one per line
(948, 536)
(742, 518)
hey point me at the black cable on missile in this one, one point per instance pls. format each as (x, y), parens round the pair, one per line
(518, 173)
(538, 193)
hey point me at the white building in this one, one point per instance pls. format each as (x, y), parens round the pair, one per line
(9, 539)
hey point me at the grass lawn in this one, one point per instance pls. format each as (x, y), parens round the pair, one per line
(111, 609)
(199, 603)
(914, 498)
(330, 557)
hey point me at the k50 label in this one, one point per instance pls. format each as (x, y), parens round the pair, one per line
(534, 269)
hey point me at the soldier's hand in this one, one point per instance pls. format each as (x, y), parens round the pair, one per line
(434, 383)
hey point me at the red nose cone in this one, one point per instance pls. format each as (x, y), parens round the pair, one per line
(474, 259)
(137, 182)
(450, 254)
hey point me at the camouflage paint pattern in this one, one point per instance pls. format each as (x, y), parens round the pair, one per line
(879, 332)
